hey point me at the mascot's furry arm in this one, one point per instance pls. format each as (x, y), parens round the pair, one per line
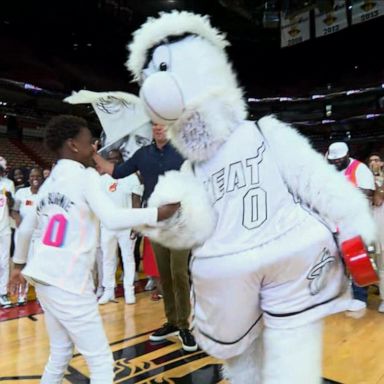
(195, 220)
(318, 185)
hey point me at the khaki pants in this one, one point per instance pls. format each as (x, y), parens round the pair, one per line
(173, 269)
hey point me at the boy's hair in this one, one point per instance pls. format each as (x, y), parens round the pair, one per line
(61, 128)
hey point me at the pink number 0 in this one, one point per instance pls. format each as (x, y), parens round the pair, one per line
(54, 235)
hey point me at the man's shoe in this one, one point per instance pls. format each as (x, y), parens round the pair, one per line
(381, 307)
(356, 305)
(356, 309)
(165, 331)
(187, 340)
(150, 286)
(107, 296)
(4, 301)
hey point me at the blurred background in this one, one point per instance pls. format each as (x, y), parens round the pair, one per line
(315, 63)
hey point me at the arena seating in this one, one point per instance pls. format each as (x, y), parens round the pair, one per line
(15, 157)
(26, 153)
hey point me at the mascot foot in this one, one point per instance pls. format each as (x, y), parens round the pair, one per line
(245, 368)
(293, 356)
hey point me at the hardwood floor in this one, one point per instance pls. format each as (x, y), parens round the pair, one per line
(352, 348)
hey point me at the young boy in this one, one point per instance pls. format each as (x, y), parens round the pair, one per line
(60, 262)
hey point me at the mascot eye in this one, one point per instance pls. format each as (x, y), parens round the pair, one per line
(161, 58)
(163, 67)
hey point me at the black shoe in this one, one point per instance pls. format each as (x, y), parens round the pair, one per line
(187, 340)
(165, 331)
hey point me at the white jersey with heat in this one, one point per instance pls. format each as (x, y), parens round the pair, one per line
(65, 224)
(249, 182)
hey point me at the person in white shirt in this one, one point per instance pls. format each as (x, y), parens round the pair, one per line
(25, 200)
(65, 222)
(361, 177)
(376, 165)
(7, 191)
(126, 193)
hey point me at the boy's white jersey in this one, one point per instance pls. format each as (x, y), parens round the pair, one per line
(246, 184)
(66, 225)
(6, 185)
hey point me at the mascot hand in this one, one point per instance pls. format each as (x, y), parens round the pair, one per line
(193, 222)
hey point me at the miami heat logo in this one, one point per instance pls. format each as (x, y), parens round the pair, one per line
(317, 276)
(113, 187)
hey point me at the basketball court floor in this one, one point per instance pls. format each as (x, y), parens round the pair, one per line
(353, 352)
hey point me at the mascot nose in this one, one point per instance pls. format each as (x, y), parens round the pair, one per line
(163, 97)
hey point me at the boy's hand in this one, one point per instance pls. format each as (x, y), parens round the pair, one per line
(17, 282)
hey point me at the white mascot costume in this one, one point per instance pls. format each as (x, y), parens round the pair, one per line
(265, 265)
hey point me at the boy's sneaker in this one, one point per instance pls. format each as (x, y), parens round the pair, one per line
(107, 296)
(4, 301)
(129, 296)
(99, 292)
(165, 331)
(187, 340)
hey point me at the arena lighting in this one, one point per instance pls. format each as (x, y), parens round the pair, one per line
(310, 123)
(314, 97)
(32, 87)
(373, 115)
(353, 91)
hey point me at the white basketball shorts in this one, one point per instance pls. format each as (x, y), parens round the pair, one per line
(292, 281)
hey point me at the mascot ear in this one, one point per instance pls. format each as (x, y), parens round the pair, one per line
(186, 168)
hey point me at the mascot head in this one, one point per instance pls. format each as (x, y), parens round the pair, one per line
(187, 82)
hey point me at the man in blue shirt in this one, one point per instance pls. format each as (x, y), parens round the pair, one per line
(152, 161)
